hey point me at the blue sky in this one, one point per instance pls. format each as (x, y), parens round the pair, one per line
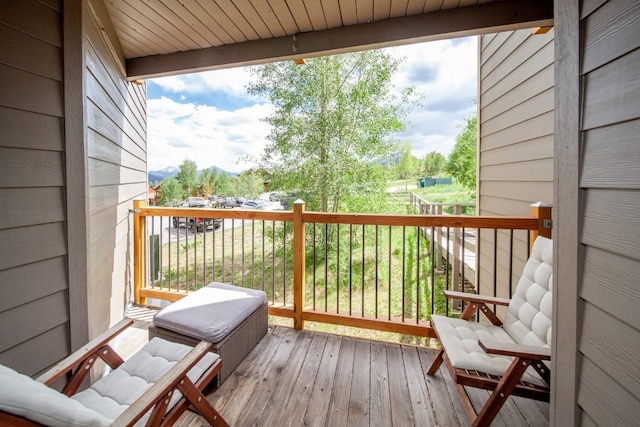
(209, 117)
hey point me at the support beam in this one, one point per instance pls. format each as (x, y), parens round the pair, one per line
(443, 24)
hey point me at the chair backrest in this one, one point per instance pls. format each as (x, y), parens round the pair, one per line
(25, 397)
(528, 319)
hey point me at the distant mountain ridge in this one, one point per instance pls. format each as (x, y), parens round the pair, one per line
(156, 177)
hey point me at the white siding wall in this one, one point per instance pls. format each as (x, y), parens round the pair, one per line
(115, 119)
(609, 289)
(34, 286)
(515, 152)
(67, 180)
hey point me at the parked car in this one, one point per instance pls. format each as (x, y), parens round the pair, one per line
(233, 202)
(197, 223)
(196, 202)
(216, 201)
(252, 204)
(228, 202)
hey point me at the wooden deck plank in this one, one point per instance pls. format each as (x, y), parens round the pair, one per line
(422, 411)
(238, 389)
(341, 394)
(360, 385)
(284, 388)
(401, 412)
(442, 393)
(380, 400)
(254, 411)
(316, 413)
(301, 393)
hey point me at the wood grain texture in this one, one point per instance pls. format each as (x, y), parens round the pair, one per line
(28, 357)
(50, 311)
(20, 285)
(20, 208)
(17, 89)
(34, 18)
(23, 51)
(611, 221)
(613, 345)
(610, 156)
(620, 297)
(29, 130)
(28, 246)
(610, 32)
(604, 400)
(606, 99)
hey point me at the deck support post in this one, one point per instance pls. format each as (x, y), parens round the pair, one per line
(139, 250)
(298, 264)
(542, 212)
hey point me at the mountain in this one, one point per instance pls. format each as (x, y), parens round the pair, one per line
(156, 177)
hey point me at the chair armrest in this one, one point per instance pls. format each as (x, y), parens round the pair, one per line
(159, 390)
(67, 364)
(516, 350)
(486, 299)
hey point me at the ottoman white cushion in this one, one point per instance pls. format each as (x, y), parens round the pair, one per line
(212, 312)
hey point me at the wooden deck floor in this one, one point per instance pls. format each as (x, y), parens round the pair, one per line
(304, 378)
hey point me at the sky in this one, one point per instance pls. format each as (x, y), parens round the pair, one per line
(210, 118)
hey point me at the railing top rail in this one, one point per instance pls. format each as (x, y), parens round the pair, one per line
(218, 213)
(499, 222)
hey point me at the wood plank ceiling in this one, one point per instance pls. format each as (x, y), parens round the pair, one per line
(162, 37)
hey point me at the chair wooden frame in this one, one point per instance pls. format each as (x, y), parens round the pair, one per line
(508, 384)
(77, 366)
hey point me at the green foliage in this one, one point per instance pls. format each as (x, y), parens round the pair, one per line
(333, 119)
(462, 161)
(408, 165)
(434, 164)
(249, 184)
(170, 192)
(188, 176)
(212, 181)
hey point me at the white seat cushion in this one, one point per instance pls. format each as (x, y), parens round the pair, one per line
(23, 396)
(211, 312)
(528, 321)
(460, 340)
(114, 393)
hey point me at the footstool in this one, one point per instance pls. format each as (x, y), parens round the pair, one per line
(232, 318)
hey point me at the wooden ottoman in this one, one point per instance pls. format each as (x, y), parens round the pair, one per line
(232, 318)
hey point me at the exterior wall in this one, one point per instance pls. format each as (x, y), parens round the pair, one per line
(515, 150)
(34, 286)
(115, 121)
(608, 328)
(72, 158)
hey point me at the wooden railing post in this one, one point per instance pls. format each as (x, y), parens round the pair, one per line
(139, 250)
(298, 264)
(541, 211)
(458, 265)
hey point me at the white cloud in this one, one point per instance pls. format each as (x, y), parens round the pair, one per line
(204, 134)
(445, 72)
(231, 81)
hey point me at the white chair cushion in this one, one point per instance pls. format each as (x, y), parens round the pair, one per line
(114, 393)
(23, 396)
(460, 340)
(211, 312)
(528, 320)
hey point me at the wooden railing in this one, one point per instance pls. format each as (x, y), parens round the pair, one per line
(363, 270)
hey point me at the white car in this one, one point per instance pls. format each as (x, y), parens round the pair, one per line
(253, 204)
